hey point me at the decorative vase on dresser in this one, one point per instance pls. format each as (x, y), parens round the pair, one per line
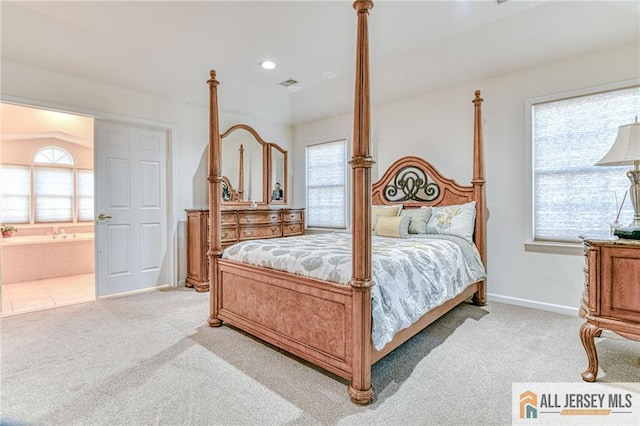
(237, 224)
(611, 296)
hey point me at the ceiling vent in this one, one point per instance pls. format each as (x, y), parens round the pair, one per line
(288, 83)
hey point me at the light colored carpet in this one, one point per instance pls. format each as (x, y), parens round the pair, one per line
(150, 358)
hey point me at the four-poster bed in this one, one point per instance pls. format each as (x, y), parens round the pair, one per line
(327, 323)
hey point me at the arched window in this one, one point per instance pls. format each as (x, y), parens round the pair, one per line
(50, 190)
(53, 186)
(53, 155)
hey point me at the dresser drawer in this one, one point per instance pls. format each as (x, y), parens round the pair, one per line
(292, 229)
(258, 217)
(260, 231)
(620, 283)
(228, 234)
(228, 218)
(292, 216)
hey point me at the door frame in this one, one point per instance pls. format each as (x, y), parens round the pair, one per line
(171, 132)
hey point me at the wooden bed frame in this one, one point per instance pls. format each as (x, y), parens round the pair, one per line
(324, 323)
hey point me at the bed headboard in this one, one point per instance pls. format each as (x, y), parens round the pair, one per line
(415, 182)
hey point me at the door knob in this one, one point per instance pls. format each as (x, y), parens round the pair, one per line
(103, 216)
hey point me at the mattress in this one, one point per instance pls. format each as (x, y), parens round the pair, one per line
(412, 275)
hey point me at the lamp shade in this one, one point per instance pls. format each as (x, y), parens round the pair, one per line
(626, 148)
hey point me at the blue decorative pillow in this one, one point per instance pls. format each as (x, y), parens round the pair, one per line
(419, 219)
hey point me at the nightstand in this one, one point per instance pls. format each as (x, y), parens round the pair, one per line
(611, 296)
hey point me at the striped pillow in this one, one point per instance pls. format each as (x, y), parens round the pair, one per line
(378, 211)
(393, 226)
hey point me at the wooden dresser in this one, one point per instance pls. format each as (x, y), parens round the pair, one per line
(611, 296)
(237, 225)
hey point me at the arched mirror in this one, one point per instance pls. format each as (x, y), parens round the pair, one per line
(244, 166)
(277, 174)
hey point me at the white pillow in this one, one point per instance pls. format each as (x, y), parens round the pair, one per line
(419, 219)
(458, 219)
(393, 226)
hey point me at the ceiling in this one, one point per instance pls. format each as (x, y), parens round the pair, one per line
(20, 123)
(167, 48)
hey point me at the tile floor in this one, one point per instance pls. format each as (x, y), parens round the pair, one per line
(29, 296)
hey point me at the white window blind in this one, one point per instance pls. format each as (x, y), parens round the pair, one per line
(326, 185)
(15, 193)
(572, 197)
(53, 194)
(84, 194)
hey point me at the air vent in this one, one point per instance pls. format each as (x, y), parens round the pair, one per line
(288, 83)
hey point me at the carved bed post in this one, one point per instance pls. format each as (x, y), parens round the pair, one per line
(215, 197)
(360, 389)
(480, 298)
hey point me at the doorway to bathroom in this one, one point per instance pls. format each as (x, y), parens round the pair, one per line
(47, 181)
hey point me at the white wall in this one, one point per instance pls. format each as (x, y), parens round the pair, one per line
(191, 124)
(438, 126)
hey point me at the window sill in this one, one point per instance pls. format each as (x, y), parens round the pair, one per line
(573, 249)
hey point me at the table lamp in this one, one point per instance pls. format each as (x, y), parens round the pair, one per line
(625, 151)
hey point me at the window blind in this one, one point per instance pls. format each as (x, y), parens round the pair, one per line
(53, 194)
(326, 185)
(84, 191)
(15, 193)
(572, 197)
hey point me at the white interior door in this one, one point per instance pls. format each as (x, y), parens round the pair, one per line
(131, 237)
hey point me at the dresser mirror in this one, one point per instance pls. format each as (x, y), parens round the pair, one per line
(277, 174)
(244, 166)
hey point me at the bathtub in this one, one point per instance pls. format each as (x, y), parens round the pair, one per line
(37, 257)
(45, 239)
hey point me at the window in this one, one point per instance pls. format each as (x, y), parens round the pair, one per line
(571, 196)
(53, 194)
(53, 155)
(327, 185)
(84, 191)
(15, 182)
(49, 190)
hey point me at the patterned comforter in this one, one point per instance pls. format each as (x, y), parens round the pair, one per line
(412, 275)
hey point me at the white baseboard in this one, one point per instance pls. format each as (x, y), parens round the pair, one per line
(142, 290)
(567, 310)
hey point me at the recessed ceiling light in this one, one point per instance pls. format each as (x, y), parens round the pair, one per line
(267, 64)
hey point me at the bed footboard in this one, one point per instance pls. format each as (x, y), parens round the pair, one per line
(306, 317)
